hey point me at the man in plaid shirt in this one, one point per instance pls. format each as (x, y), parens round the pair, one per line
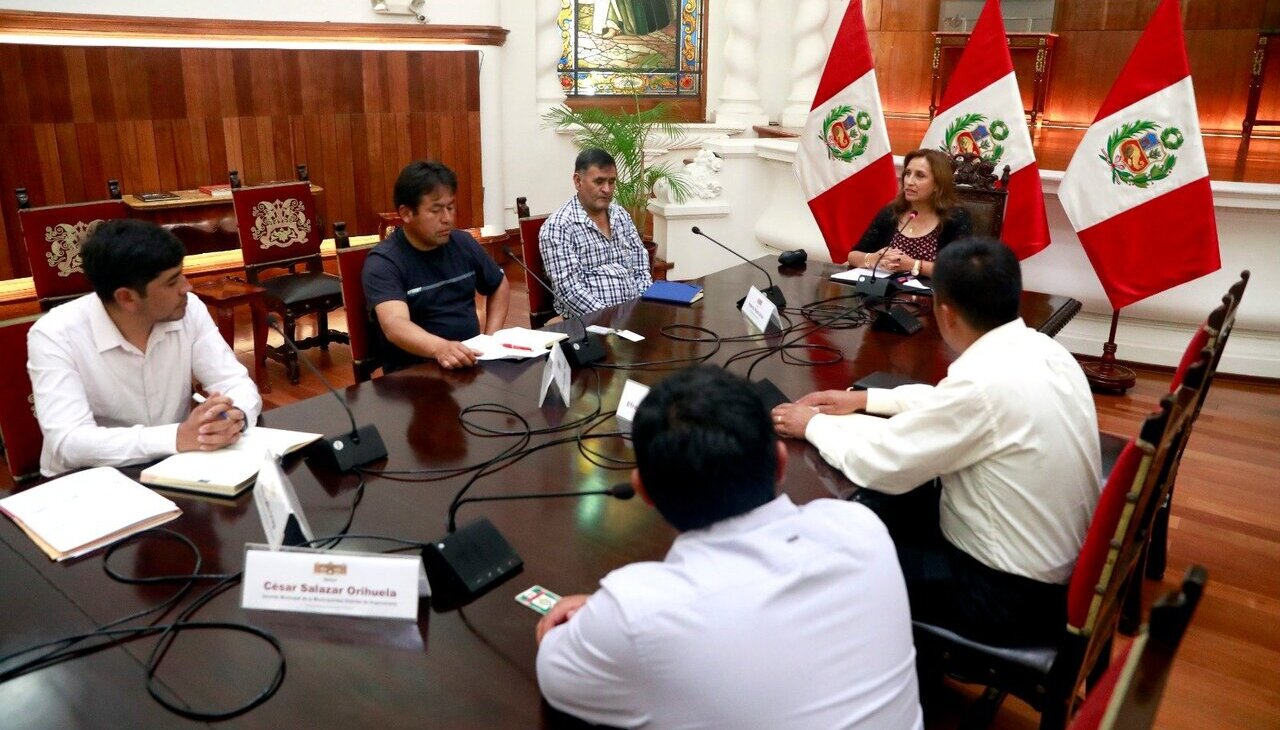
(590, 246)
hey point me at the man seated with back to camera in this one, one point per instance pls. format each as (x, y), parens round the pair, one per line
(763, 614)
(422, 281)
(1011, 435)
(590, 246)
(111, 371)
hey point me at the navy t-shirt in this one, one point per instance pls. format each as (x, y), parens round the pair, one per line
(439, 286)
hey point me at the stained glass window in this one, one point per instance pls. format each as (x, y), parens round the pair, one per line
(624, 47)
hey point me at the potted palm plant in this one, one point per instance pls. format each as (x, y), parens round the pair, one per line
(623, 134)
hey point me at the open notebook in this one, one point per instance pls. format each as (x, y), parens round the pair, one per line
(852, 276)
(514, 343)
(83, 511)
(225, 472)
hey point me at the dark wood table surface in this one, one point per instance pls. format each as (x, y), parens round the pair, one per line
(472, 667)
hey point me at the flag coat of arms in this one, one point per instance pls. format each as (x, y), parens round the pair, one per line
(843, 160)
(981, 113)
(1137, 189)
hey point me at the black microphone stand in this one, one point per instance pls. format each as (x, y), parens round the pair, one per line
(467, 563)
(876, 292)
(772, 293)
(583, 351)
(873, 288)
(342, 453)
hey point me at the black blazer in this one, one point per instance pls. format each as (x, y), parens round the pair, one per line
(957, 224)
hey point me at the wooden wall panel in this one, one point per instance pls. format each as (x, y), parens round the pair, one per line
(909, 15)
(1211, 14)
(1085, 66)
(1095, 39)
(902, 69)
(177, 118)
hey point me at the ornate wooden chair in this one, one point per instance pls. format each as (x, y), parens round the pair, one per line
(1128, 695)
(19, 430)
(364, 354)
(279, 229)
(53, 236)
(976, 185)
(1049, 677)
(541, 299)
(1211, 338)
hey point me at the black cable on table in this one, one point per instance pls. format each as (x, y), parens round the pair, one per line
(67, 646)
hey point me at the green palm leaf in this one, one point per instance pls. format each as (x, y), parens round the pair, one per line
(960, 124)
(623, 135)
(1125, 132)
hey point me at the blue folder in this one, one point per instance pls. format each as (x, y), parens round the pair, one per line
(672, 292)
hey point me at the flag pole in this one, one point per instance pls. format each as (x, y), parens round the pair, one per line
(1107, 374)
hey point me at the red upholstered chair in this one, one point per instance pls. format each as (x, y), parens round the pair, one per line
(1211, 338)
(279, 229)
(1128, 695)
(1048, 677)
(19, 430)
(53, 236)
(364, 356)
(541, 299)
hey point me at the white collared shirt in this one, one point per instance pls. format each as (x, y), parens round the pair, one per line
(102, 402)
(785, 617)
(1012, 432)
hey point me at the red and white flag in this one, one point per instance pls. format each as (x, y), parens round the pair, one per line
(843, 161)
(1137, 189)
(981, 113)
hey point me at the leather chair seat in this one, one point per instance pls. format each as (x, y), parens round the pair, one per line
(1019, 658)
(1112, 444)
(292, 289)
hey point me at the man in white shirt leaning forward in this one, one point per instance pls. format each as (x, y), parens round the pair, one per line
(763, 614)
(1012, 437)
(111, 371)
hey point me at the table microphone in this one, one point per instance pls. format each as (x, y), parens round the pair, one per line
(580, 352)
(893, 318)
(343, 453)
(773, 293)
(874, 288)
(467, 563)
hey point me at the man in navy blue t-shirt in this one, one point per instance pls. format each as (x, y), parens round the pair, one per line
(421, 282)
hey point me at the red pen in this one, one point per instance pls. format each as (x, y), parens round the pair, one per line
(510, 346)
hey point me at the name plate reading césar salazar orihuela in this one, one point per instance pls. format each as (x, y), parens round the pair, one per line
(371, 585)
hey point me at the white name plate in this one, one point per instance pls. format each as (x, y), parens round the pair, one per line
(632, 394)
(371, 585)
(759, 310)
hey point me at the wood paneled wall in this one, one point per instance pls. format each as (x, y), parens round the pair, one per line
(1095, 39)
(178, 118)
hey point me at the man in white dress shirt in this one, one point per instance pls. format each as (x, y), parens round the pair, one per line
(763, 614)
(1012, 434)
(111, 371)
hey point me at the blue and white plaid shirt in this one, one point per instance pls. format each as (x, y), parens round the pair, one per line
(587, 270)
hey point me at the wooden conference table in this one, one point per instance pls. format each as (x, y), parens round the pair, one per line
(472, 667)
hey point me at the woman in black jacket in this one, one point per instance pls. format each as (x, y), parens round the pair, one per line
(924, 217)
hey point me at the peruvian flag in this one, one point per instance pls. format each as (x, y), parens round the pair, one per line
(1137, 189)
(843, 160)
(981, 112)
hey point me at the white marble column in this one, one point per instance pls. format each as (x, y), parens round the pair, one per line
(740, 98)
(549, 46)
(811, 49)
(491, 121)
